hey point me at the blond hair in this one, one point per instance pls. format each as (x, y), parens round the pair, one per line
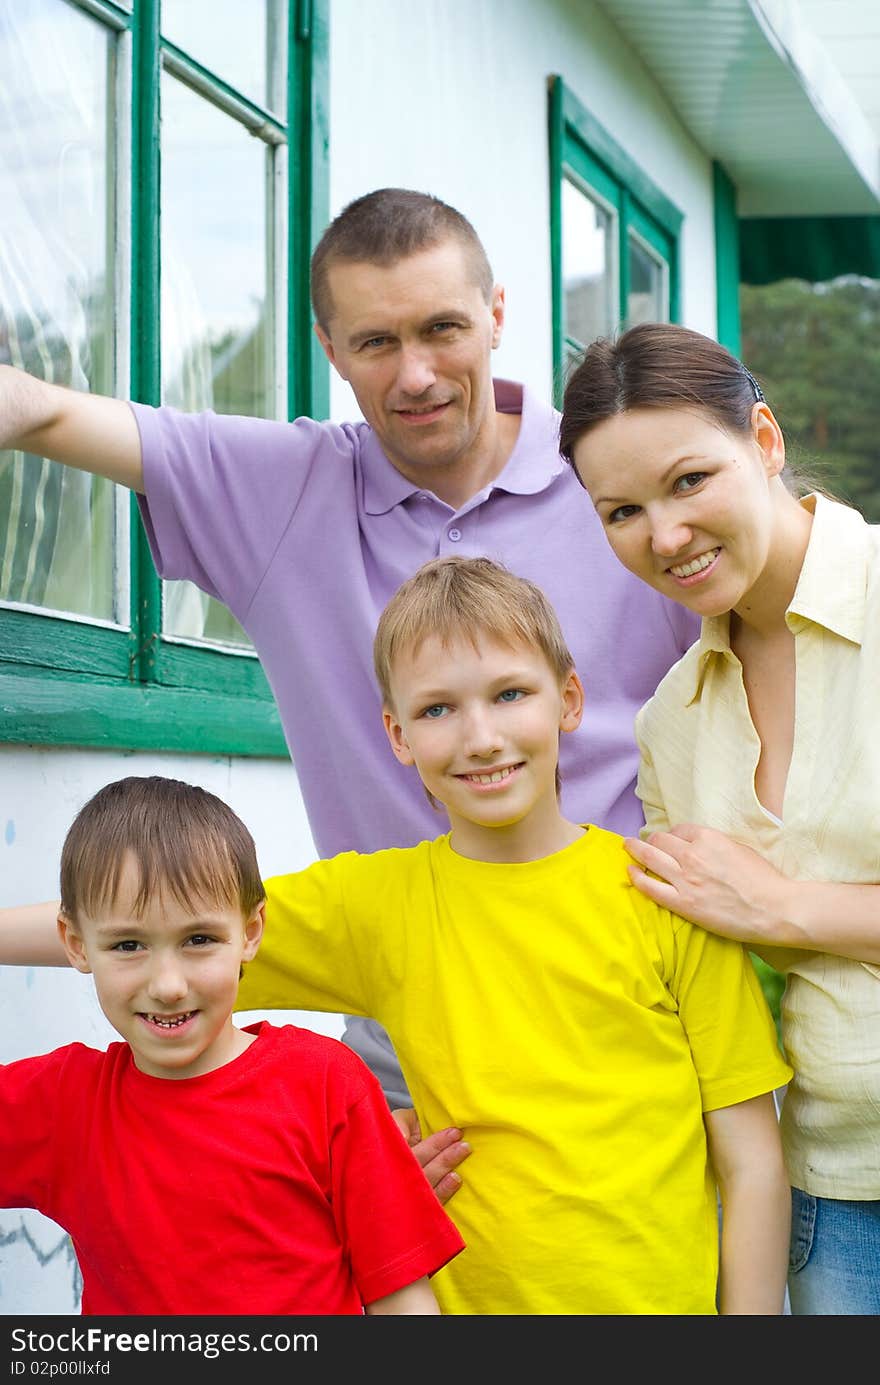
(452, 598)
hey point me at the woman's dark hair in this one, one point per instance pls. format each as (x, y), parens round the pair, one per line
(656, 365)
(660, 365)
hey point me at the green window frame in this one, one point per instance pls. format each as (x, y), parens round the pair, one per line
(74, 681)
(583, 153)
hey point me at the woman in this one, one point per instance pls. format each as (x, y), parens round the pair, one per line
(760, 772)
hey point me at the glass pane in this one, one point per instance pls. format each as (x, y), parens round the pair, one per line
(242, 41)
(647, 286)
(588, 271)
(216, 336)
(62, 532)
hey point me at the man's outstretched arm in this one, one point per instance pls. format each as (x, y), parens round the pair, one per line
(29, 936)
(89, 431)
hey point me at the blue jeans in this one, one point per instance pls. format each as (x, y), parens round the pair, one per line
(834, 1262)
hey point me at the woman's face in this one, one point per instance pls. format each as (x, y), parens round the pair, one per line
(685, 505)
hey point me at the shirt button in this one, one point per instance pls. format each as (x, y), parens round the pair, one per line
(455, 535)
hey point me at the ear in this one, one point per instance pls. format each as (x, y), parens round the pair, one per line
(253, 931)
(768, 436)
(497, 315)
(572, 703)
(396, 738)
(72, 942)
(327, 346)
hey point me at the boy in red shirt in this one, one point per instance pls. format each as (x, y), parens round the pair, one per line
(271, 1147)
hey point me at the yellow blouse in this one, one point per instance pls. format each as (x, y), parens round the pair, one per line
(700, 753)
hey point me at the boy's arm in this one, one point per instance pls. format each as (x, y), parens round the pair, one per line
(29, 936)
(413, 1299)
(746, 1154)
(89, 431)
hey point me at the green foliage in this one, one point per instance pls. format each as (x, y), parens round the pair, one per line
(815, 348)
(772, 984)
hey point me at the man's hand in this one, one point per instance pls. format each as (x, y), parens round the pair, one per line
(439, 1155)
(711, 879)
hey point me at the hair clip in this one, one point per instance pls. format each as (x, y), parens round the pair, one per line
(759, 393)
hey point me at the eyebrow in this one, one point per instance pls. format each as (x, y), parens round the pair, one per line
(664, 476)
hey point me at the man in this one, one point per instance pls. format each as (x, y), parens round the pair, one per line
(305, 530)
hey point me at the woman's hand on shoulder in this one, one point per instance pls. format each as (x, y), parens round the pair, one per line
(711, 879)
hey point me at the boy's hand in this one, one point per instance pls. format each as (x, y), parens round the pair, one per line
(439, 1155)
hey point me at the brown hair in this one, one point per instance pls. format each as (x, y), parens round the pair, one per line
(660, 365)
(656, 365)
(388, 225)
(182, 838)
(455, 597)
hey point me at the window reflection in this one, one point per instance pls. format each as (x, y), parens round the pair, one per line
(59, 529)
(588, 269)
(241, 42)
(647, 285)
(215, 332)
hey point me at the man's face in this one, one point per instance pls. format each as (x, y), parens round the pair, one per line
(414, 341)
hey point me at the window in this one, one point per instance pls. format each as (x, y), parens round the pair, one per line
(614, 235)
(124, 127)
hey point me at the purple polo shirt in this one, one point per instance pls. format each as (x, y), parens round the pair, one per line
(305, 530)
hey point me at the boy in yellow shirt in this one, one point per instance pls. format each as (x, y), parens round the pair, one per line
(610, 1064)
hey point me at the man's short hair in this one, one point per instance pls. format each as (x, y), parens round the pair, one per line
(185, 842)
(451, 598)
(388, 225)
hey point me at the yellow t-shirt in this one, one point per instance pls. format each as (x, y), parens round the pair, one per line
(574, 1030)
(700, 751)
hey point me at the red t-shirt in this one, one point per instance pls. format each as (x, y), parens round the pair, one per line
(278, 1184)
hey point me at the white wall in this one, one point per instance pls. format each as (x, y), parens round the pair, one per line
(450, 97)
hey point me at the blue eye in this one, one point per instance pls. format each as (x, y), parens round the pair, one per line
(435, 712)
(511, 695)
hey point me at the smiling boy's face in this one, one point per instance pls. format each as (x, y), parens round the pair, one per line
(481, 721)
(167, 980)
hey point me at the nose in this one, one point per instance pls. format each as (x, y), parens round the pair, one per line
(482, 737)
(416, 373)
(669, 535)
(167, 982)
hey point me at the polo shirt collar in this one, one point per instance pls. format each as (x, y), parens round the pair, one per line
(531, 466)
(831, 589)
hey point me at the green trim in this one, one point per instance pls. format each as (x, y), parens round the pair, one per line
(726, 259)
(582, 149)
(259, 120)
(74, 683)
(308, 384)
(556, 133)
(814, 248)
(52, 710)
(146, 298)
(51, 643)
(604, 147)
(192, 666)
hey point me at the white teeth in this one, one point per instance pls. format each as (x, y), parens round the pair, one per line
(169, 1021)
(696, 565)
(494, 778)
